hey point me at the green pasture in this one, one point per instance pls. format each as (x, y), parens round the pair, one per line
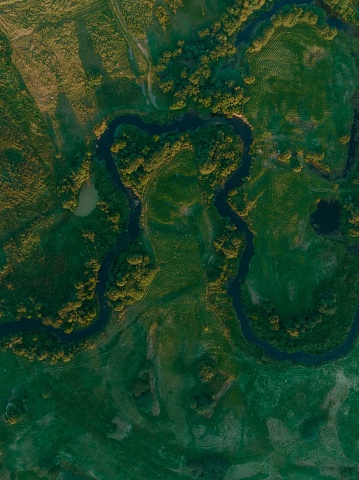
(300, 100)
(290, 258)
(301, 113)
(178, 225)
(292, 265)
(179, 230)
(287, 419)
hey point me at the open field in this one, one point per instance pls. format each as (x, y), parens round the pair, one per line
(170, 389)
(178, 226)
(70, 57)
(274, 421)
(166, 367)
(301, 83)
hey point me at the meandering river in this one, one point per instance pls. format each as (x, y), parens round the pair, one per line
(191, 121)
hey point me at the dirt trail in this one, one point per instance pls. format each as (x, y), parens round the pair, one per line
(138, 49)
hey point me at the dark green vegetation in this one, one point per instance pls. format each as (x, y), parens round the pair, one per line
(189, 71)
(51, 266)
(302, 72)
(139, 157)
(272, 415)
(170, 388)
(344, 9)
(50, 258)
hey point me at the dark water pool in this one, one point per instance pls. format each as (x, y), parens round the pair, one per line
(326, 218)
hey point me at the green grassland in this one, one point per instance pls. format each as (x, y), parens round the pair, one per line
(280, 420)
(293, 267)
(181, 232)
(303, 84)
(302, 77)
(165, 393)
(170, 388)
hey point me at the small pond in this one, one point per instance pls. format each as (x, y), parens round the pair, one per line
(326, 218)
(87, 200)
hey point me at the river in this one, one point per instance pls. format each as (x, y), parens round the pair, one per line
(190, 121)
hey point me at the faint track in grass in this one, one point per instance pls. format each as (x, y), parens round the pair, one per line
(138, 49)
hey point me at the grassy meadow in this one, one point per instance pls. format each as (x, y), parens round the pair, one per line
(179, 227)
(273, 420)
(170, 389)
(303, 84)
(302, 77)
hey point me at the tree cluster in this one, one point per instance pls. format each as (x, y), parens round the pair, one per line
(74, 181)
(288, 331)
(223, 266)
(210, 467)
(162, 17)
(42, 346)
(238, 200)
(346, 9)
(188, 72)
(5, 48)
(138, 155)
(350, 224)
(174, 5)
(219, 153)
(81, 308)
(142, 392)
(132, 273)
(203, 404)
(227, 250)
(15, 410)
(206, 369)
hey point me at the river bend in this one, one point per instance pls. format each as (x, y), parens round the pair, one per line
(191, 121)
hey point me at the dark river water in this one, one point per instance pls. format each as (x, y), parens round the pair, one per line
(191, 121)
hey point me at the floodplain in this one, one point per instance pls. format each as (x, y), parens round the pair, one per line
(139, 367)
